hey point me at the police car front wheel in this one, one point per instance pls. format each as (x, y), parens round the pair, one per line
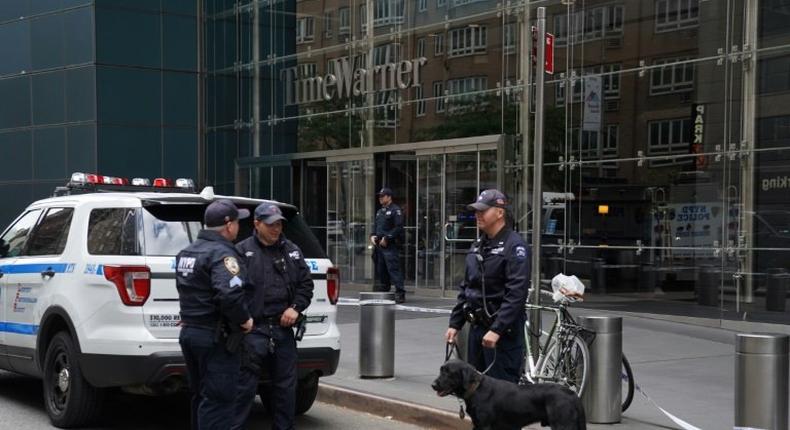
(69, 399)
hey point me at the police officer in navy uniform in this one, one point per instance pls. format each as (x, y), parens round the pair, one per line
(493, 292)
(280, 290)
(210, 282)
(386, 238)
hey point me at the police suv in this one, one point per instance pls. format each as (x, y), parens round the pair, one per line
(88, 294)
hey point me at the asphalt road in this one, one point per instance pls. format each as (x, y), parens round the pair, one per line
(22, 408)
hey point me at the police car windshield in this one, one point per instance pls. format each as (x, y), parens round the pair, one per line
(166, 238)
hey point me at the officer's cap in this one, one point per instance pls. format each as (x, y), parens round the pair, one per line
(268, 213)
(489, 199)
(385, 192)
(222, 211)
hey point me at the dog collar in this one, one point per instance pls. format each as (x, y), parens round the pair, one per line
(471, 390)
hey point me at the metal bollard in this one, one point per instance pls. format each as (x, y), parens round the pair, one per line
(776, 290)
(761, 372)
(376, 335)
(602, 397)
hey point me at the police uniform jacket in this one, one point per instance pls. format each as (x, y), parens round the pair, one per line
(278, 275)
(389, 223)
(210, 282)
(505, 268)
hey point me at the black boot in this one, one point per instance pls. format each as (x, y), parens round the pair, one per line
(400, 297)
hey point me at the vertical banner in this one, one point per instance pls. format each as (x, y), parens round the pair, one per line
(593, 98)
(697, 137)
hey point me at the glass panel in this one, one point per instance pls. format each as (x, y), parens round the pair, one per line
(49, 98)
(51, 234)
(81, 94)
(49, 153)
(113, 231)
(135, 151)
(120, 41)
(17, 160)
(46, 35)
(15, 108)
(81, 148)
(14, 9)
(179, 99)
(178, 37)
(16, 56)
(430, 222)
(180, 153)
(13, 241)
(129, 95)
(78, 36)
(461, 188)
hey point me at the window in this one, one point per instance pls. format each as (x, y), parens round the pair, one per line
(306, 70)
(113, 231)
(328, 25)
(14, 240)
(611, 80)
(773, 75)
(169, 235)
(457, 3)
(441, 3)
(590, 24)
(49, 237)
(674, 15)
(385, 54)
(345, 20)
(438, 45)
(422, 5)
(387, 109)
(509, 42)
(677, 75)
(421, 47)
(388, 12)
(467, 41)
(363, 17)
(610, 140)
(465, 90)
(305, 29)
(418, 96)
(438, 96)
(669, 137)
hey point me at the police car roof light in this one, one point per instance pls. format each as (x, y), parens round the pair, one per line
(185, 183)
(141, 182)
(163, 182)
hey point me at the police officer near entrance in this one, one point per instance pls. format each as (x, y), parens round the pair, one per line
(386, 239)
(494, 291)
(209, 279)
(280, 290)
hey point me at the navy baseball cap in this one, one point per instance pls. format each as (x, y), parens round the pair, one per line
(222, 211)
(489, 199)
(385, 192)
(269, 213)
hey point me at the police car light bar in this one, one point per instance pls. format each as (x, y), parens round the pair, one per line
(141, 182)
(80, 179)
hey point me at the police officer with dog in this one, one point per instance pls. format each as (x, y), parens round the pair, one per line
(386, 239)
(280, 290)
(210, 282)
(493, 292)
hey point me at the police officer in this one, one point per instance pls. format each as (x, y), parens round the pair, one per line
(386, 239)
(209, 279)
(494, 291)
(281, 289)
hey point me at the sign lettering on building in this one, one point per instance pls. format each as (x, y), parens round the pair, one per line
(698, 136)
(347, 81)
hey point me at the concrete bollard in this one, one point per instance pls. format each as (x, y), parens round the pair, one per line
(376, 335)
(761, 380)
(602, 397)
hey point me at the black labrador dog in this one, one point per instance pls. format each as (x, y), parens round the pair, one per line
(495, 404)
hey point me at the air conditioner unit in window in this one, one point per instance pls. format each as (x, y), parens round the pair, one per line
(614, 42)
(612, 105)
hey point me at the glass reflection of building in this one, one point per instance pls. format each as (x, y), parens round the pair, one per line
(666, 144)
(667, 135)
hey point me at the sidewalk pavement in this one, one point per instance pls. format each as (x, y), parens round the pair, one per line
(686, 369)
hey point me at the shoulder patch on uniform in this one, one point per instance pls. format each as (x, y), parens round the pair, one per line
(249, 253)
(295, 255)
(232, 265)
(521, 252)
(398, 212)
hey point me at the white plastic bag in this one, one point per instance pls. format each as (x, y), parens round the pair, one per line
(570, 284)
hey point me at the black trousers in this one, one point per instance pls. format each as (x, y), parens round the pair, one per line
(212, 372)
(281, 368)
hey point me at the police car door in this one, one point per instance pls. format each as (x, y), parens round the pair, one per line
(12, 243)
(33, 275)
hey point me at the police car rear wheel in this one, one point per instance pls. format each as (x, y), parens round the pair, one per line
(306, 391)
(69, 399)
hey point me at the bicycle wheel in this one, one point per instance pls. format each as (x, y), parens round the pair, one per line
(627, 377)
(568, 365)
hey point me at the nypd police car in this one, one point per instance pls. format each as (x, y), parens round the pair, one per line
(88, 298)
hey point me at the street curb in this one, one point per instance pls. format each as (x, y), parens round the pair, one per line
(398, 410)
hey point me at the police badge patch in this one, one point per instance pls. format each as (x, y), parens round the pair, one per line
(521, 252)
(232, 265)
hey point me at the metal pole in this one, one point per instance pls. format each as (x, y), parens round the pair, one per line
(537, 178)
(526, 97)
(761, 375)
(256, 80)
(602, 396)
(745, 239)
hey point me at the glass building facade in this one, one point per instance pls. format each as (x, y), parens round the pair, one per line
(667, 128)
(95, 86)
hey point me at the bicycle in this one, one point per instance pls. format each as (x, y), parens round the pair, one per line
(563, 353)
